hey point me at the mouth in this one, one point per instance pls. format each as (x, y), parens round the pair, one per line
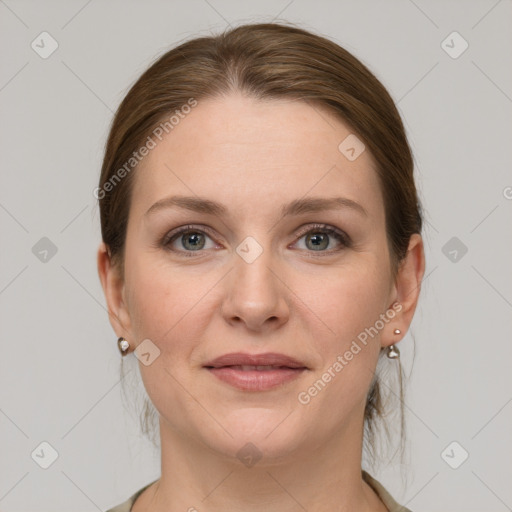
(255, 372)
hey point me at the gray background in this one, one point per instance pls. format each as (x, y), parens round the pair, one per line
(59, 364)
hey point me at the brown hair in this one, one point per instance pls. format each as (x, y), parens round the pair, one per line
(268, 61)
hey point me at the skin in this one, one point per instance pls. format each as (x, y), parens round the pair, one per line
(252, 157)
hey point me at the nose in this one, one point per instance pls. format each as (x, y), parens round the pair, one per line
(256, 293)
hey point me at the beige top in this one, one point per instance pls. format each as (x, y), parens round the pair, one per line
(384, 495)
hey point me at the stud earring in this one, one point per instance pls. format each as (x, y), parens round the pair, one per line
(123, 346)
(397, 331)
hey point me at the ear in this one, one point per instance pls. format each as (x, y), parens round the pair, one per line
(114, 290)
(406, 290)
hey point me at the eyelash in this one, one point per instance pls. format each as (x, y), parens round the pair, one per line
(342, 237)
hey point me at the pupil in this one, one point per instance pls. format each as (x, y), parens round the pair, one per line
(193, 240)
(317, 240)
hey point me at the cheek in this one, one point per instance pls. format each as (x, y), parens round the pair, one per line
(161, 305)
(345, 300)
(166, 304)
(348, 304)
(152, 296)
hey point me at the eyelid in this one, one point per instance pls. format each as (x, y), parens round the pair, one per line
(344, 239)
(183, 229)
(327, 227)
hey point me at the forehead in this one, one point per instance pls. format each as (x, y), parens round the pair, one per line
(250, 154)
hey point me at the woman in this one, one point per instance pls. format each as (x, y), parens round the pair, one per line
(261, 253)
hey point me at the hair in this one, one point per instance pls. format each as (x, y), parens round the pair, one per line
(269, 61)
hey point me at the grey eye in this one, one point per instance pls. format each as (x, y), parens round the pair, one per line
(319, 241)
(193, 240)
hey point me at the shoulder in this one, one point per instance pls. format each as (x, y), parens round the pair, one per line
(383, 494)
(127, 505)
(381, 491)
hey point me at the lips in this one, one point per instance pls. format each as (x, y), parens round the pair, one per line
(259, 360)
(255, 372)
(247, 367)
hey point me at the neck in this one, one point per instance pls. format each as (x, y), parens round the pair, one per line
(313, 478)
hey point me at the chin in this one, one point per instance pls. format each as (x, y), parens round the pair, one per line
(258, 434)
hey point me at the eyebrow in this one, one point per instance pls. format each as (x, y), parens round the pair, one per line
(296, 207)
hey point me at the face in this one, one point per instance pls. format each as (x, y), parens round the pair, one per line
(244, 278)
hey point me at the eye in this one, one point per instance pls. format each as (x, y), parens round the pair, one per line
(318, 238)
(187, 239)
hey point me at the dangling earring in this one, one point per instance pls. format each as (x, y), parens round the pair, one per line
(123, 346)
(393, 352)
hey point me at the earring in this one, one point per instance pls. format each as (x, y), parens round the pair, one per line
(123, 346)
(393, 352)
